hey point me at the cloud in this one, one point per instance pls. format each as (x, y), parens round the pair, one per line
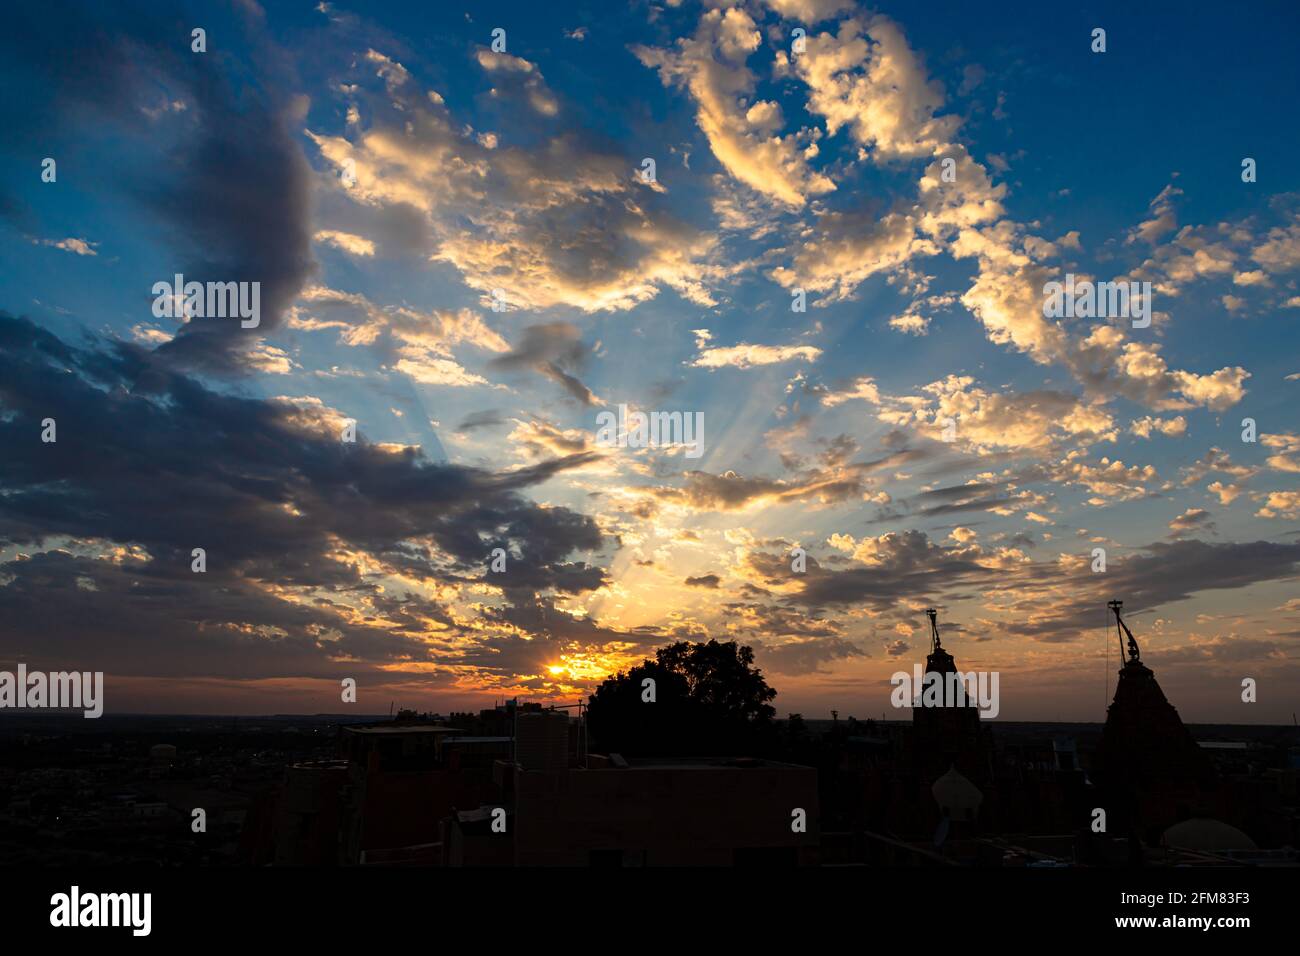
(808, 656)
(1146, 426)
(358, 321)
(81, 247)
(748, 356)
(299, 528)
(703, 581)
(1193, 254)
(390, 71)
(957, 410)
(887, 569)
(1108, 480)
(1280, 252)
(843, 249)
(430, 369)
(702, 491)
(1191, 520)
(482, 419)
(493, 210)
(542, 439)
(868, 80)
(229, 183)
(1055, 603)
(517, 76)
(1281, 504)
(809, 11)
(1162, 221)
(554, 350)
(1286, 451)
(1215, 460)
(711, 67)
(1226, 494)
(356, 245)
(863, 388)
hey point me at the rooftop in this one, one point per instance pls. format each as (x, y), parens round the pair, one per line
(404, 729)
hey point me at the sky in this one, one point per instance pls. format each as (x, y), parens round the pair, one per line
(836, 261)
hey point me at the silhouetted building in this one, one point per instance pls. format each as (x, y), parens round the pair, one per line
(950, 734)
(617, 812)
(308, 814)
(403, 777)
(1150, 768)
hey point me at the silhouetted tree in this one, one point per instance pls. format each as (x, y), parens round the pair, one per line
(709, 700)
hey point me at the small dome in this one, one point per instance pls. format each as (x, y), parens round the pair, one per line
(1202, 833)
(957, 797)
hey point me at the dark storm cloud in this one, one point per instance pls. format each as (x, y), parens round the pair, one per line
(225, 177)
(151, 458)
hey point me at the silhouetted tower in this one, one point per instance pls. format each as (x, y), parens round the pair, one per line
(947, 735)
(938, 660)
(1150, 769)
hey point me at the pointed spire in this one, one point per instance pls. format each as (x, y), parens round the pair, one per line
(1134, 655)
(935, 644)
(1148, 760)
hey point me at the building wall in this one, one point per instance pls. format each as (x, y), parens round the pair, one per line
(403, 809)
(665, 816)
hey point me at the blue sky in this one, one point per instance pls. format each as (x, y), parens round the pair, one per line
(381, 172)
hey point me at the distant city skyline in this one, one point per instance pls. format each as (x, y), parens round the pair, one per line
(838, 256)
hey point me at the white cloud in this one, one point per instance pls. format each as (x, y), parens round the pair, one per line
(748, 356)
(356, 245)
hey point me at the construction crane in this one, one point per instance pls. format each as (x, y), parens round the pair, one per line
(932, 614)
(1134, 655)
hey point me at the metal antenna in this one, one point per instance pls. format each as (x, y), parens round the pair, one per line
(1134, 655)
(1106, 644)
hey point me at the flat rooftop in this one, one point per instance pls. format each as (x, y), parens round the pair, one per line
(404, 729)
